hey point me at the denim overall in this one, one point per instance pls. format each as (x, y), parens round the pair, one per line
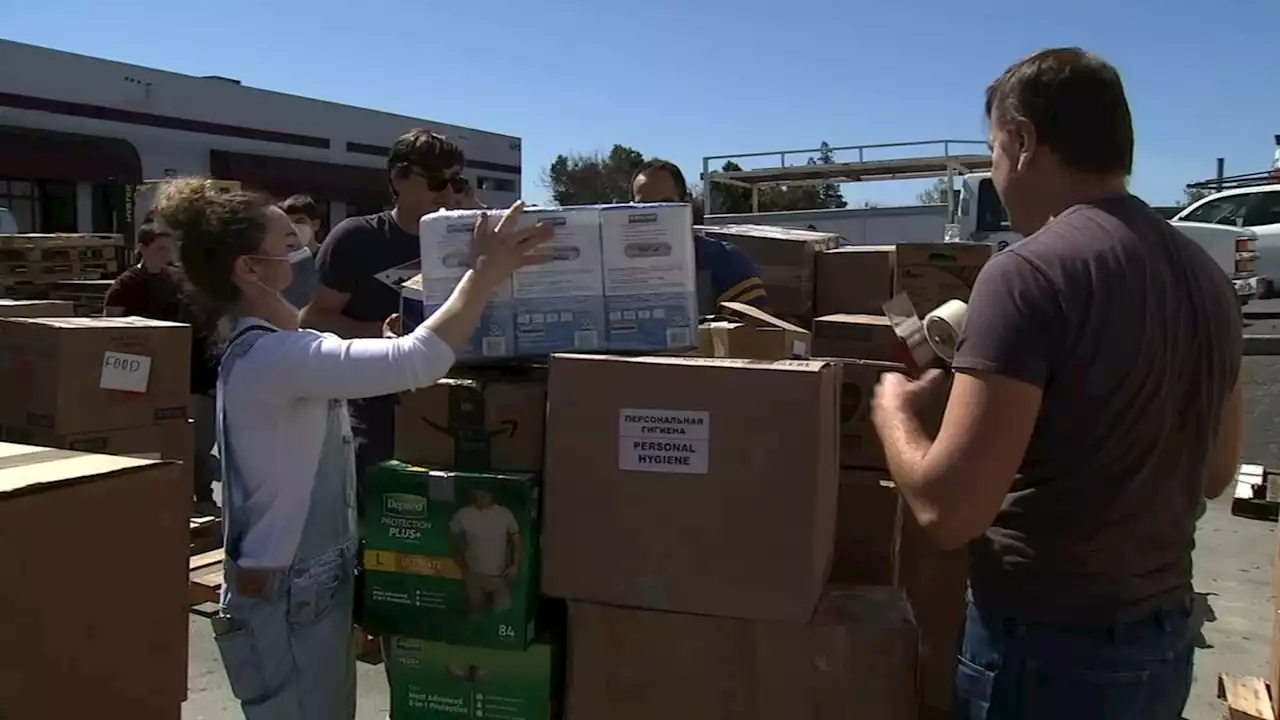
(285, 635)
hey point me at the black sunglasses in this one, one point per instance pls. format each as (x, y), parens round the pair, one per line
(437, 182)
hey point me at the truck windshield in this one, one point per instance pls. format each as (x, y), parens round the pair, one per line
(991, 216)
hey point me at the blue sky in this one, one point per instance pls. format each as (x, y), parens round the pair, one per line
(710, 77)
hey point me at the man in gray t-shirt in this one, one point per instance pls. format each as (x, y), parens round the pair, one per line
(1094, 405)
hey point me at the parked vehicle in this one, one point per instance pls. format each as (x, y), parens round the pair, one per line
(1253, 208)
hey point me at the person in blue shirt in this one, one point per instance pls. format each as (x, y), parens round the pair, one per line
(725, 273)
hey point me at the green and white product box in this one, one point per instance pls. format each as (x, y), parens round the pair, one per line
(451, 555)
(436, 680)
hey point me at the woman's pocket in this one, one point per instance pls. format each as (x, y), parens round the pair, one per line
(255, 651)
(314, 591)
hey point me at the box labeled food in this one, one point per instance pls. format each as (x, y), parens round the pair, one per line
(559, 305)
(433, 679)
(716, 448)
(650, 288)
(933, 273)
(490, 420)
(854, 658)
(73, 375)
(450, 556)
(854, 280)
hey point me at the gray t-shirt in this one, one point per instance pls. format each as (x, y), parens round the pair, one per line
(1134, 334)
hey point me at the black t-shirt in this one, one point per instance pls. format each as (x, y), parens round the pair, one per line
(1134, 334)
(367, 257)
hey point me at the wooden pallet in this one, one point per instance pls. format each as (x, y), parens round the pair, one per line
(204, 581)
(70, 268)
(1257, 493)
(206, 534)
(41, 241)
(1247, 698)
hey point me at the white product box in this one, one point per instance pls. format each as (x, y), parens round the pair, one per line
(445, 241)
(650, 287)
(559, 305)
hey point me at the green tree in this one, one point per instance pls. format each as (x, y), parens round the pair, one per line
(584, 179)
(934, 194)
(829, 195)
(1190, 195)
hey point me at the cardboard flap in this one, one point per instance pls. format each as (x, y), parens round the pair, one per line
(757, 318)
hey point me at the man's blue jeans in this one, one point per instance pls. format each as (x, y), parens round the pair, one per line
(1014, 670)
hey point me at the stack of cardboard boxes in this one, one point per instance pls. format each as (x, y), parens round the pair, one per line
(451, 535)
(874, 543)
(690, 513)
(717, 528)
(72, 386)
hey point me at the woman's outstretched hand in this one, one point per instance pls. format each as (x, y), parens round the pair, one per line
(496, 252)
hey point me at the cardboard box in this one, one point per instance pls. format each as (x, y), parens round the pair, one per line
(144, 442)
(859, 443)
(691, 484)
(858, 337)
(78, 375)
(36, 308)
(854, 280)
(933, 273)
(491, 421)
(79, 528)
(785, 259)
(867, 528)
(936, 583)
(855, 659)
(433, 680)
(438, 550)
(747, 332)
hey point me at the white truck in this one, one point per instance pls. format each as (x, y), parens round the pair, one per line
(973, 205)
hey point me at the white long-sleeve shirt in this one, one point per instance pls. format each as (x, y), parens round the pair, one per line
(276, 399)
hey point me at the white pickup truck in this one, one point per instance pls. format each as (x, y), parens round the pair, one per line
(1253, 211)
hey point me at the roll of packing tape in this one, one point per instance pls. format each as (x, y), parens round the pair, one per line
(943, 327)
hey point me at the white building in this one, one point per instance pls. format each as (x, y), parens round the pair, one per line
(76, 131)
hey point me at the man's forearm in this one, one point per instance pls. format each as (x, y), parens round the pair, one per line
(339, 324)
(905, 447)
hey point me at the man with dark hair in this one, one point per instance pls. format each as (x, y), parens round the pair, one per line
(303, 212)
(1095, 403)
(724, 273)
(154, 288)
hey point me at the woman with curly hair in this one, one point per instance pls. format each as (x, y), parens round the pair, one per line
(284, 439)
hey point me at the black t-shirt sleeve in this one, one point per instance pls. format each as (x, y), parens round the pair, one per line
(1015, 323)
(125, 293)
(340, 264)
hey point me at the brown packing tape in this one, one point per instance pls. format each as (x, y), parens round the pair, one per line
(757, 318)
